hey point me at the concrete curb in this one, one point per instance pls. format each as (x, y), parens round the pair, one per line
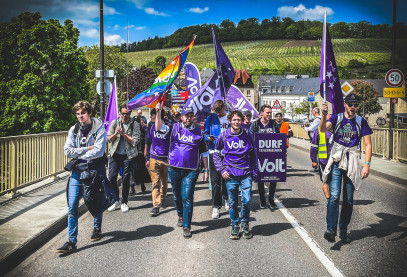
(372, 171)
(30, 246)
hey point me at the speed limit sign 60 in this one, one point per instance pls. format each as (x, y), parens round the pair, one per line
(394, 77)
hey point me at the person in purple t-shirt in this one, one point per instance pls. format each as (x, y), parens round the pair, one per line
(187, 143)
(237, 167)
(247, 120)
(348, 129)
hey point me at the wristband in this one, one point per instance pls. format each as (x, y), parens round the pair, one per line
(206, 170)
(368, 163)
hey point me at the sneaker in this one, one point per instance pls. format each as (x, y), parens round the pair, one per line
(115, 206)
(244, 228)
(124, 208)
(97, 235)
(155, 211)
(264, 205)
(329, 236)
(234, 233)
(143, 188)
(215, 213)
(68, 247)
(180, 221)
(187, 233)
(272, 205)
(163, 205)
(344, 237)
(227, 205)
(132, 191)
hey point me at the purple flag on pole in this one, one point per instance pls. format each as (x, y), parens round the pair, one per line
(192, 78)
(237, 101)
(111, 112)
(201, 101)
(333, 86)
(224, 70)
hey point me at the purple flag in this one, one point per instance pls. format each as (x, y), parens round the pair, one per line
(237, 101)
(201, 101)
(111, 112)
(224, 70)
(192, 78)
(333, 86)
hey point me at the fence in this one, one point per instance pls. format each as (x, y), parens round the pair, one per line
(380, 141)
(28, 159)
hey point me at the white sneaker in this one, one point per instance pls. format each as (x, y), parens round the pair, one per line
(226, 205)
(115, 206)
(125, 208)
(215, 213)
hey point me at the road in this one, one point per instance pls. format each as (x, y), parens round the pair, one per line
(136, 244)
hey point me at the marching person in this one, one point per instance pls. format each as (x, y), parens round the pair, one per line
(187, 143)
(86, 146)
(139, 173)
(124, 134)
(265, 124)
(284, 127)
(237, 168)
(315, 123)
(348, 129)
(247, 120)
(215, 124)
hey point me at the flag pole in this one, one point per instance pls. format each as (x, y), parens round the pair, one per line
(324, 67)
(115, 92)
(127, 65)
(221, 73)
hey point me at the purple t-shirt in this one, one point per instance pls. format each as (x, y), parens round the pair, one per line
(160, 144)
(347, 133)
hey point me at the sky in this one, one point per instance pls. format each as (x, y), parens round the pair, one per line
(148, 18)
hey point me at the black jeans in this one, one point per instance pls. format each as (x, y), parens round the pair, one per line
(262, 193)
(219, 190)
(116, 162)
(140, 174)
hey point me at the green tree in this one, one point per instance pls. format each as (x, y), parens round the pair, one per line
(114, 60)
(369, 96)
(42, 75)
(158, 65)
(304, 107)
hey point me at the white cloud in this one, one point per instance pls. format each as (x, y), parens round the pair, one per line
(198, 10)
(86, 22)
(154, 12)
(90, 33)
(113, 40)
(301, 12)
(140, 4)
(118, 27)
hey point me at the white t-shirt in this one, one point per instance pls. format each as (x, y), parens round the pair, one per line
(224, 123)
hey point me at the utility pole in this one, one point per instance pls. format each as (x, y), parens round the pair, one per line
(102, 64)
(393, 64)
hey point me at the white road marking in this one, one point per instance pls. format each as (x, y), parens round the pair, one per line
(312, 244)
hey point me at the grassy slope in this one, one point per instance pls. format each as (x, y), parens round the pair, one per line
(275, 53)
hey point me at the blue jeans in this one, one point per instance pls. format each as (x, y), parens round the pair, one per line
(232, 185)
(333, 202)
(75, 192)
(116, 162)
(183, 185)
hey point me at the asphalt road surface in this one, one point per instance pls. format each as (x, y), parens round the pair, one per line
(287, 242)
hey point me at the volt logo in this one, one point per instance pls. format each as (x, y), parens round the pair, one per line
(235, 144)
(270, 143)
(271, 167)
(159, 135)
(185, 138)
(192, 87)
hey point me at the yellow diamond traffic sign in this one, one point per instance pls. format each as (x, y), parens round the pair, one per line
(346, 88)
(394, 92)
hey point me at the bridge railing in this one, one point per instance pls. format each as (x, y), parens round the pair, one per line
(27, 159)
(380, 141)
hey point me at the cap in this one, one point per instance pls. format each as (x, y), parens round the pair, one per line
(352, 98)
(247, 113)
(187, 110)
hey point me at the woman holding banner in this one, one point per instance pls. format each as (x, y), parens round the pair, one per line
(237, 167)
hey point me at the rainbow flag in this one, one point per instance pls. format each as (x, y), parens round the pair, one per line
(162, 83)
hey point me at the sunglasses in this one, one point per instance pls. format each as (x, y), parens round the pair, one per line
(128, 113)
(350, 105)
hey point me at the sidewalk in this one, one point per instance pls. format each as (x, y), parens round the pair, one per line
(390, 170)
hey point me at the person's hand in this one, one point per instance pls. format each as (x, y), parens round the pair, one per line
(211, 138)
(158, 106)
(324, 109)
(314, 165)
(225, 175)
(205, 176)
(91, 147)
(148, 164)
(365, 171)
(117, 130)
(122, 131)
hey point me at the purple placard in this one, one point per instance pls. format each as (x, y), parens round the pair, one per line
(192, 78)
(271, 154)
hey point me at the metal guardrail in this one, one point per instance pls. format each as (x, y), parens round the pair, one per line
(380, 141)
(27, 159)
